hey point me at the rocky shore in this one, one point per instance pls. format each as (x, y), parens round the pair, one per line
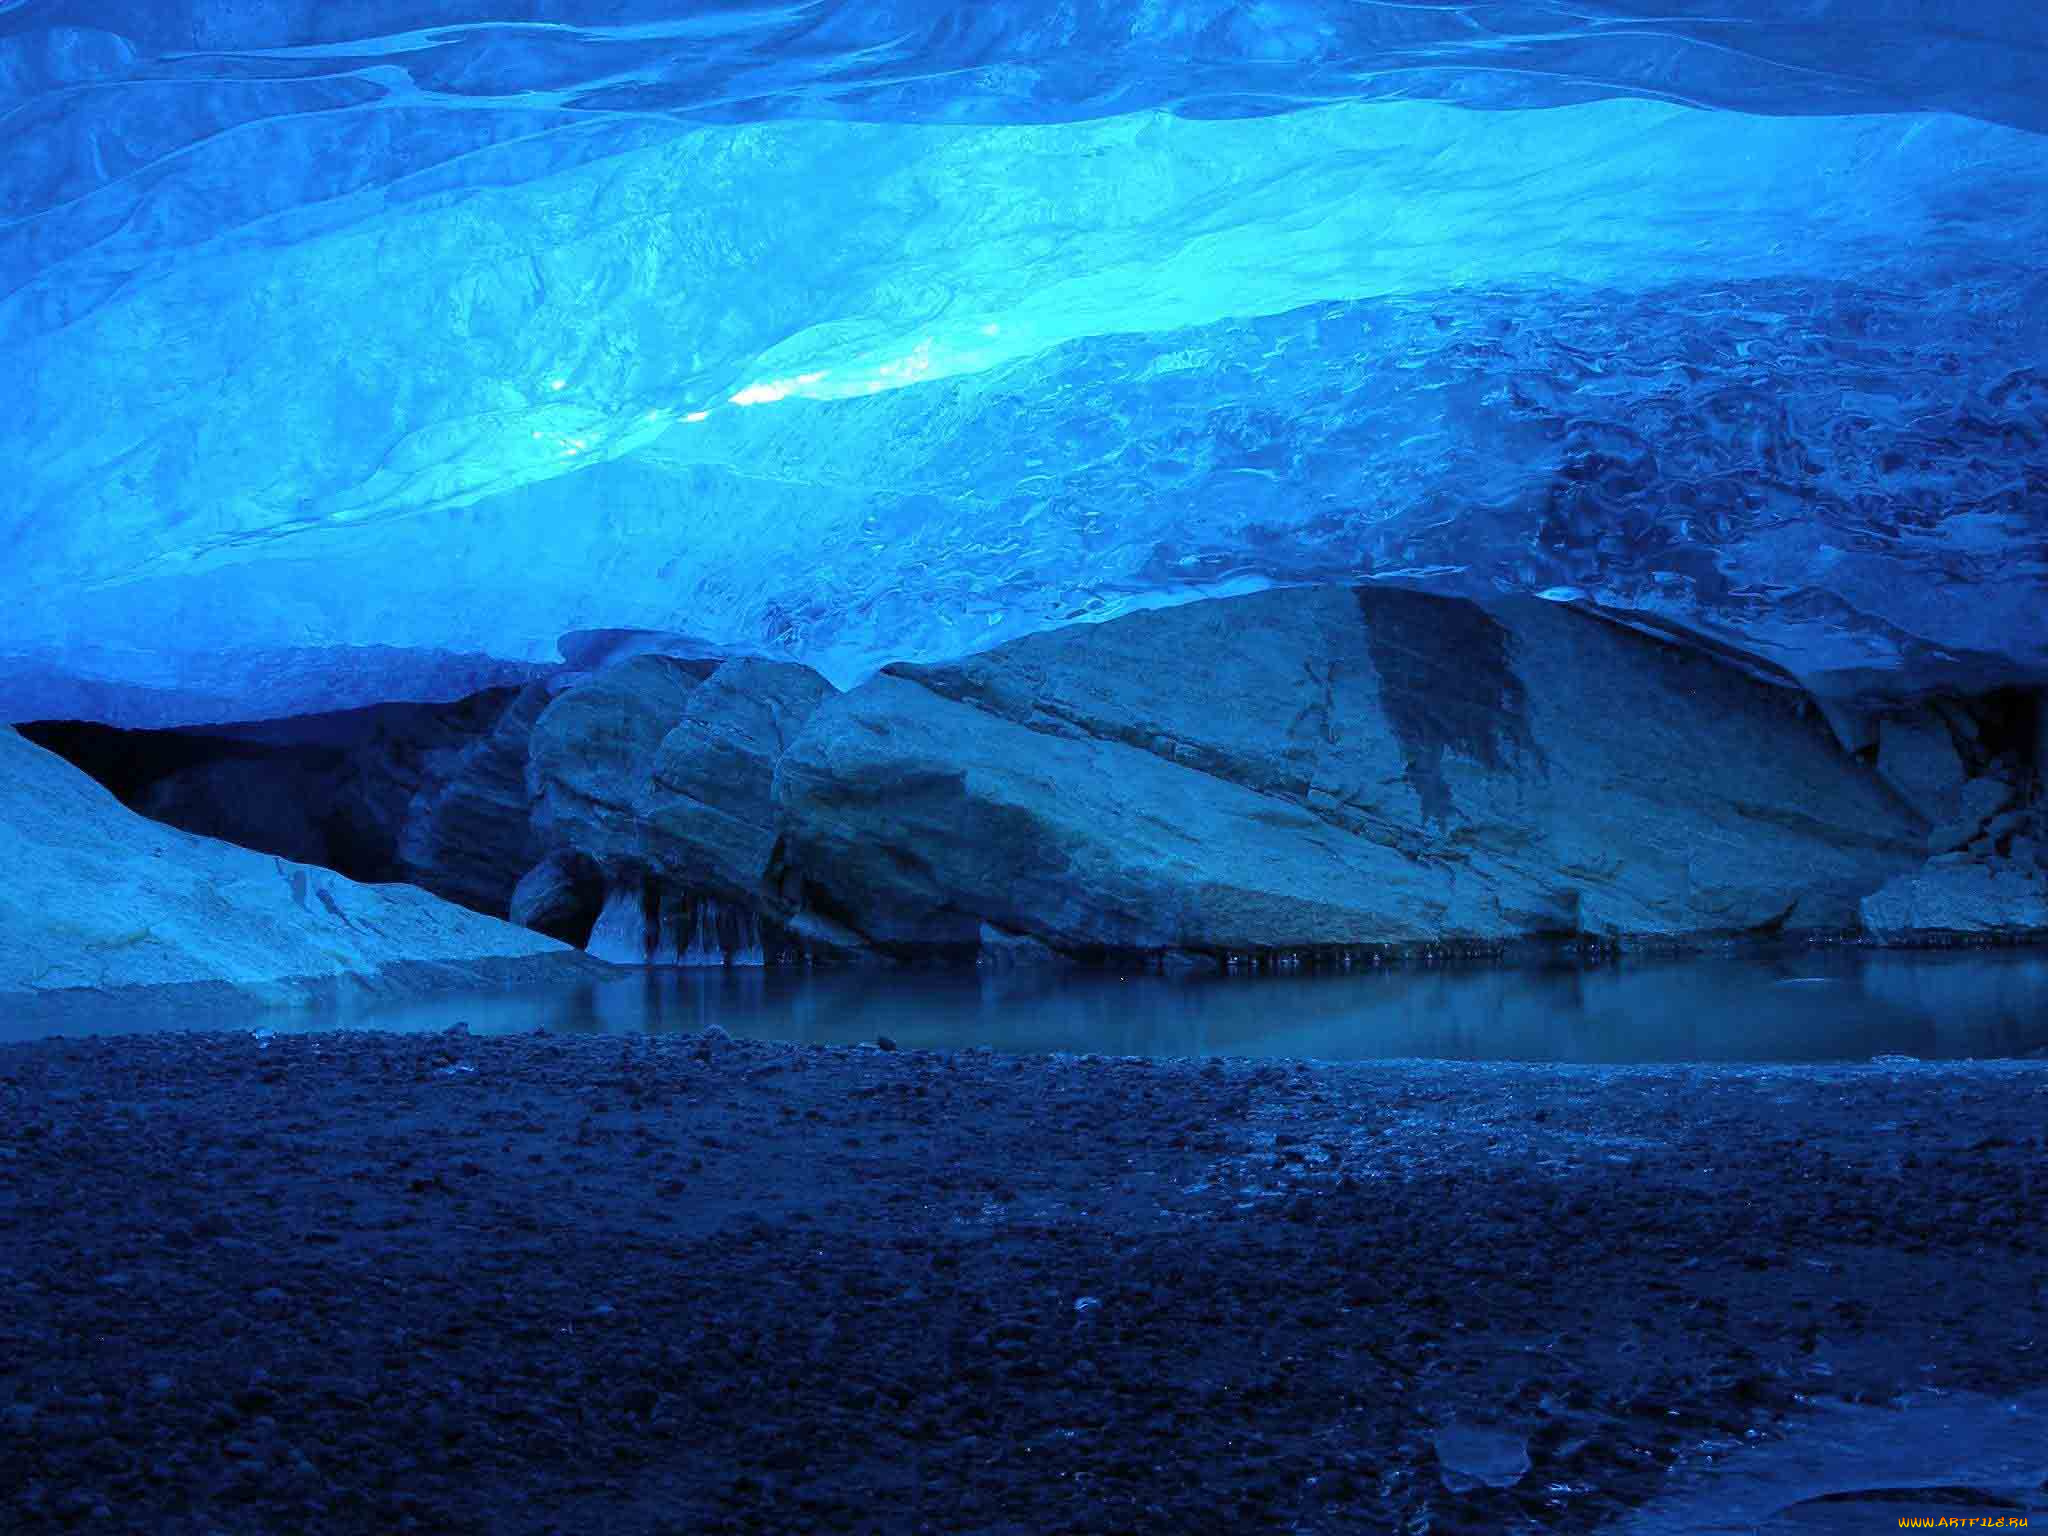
(350, 1283)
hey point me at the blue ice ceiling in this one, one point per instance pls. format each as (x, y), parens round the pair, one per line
(362, 347)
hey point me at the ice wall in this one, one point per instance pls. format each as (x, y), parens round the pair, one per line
(400, 339)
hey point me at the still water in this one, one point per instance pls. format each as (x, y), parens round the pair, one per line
(1798, 1006)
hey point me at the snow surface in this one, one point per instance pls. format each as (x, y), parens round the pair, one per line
(400, 339)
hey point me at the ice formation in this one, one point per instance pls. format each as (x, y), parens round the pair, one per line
(364, 351)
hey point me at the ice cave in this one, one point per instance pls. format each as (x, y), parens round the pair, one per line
(1023, 766)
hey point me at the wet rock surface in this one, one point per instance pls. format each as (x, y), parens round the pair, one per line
(560, 896)
(657, 772)
(467, 831)
(1986, 875)
(564, 1284)
(1308, 776)
(1917, 756)
(709, 803)
(1330, 767)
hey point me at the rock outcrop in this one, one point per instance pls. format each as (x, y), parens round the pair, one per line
(99, 899)
(591, 755)
(1327, 768)
(657, 774)
(1917, 756)
(467, 827)
(1297, 773)
(1957, 897)
(709, 805)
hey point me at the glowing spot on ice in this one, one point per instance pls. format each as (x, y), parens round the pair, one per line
(558, 384)
(761, 394)
(991, 329)
(696, 415)
(908, 369)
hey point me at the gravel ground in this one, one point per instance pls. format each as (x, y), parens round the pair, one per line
(341, 1283)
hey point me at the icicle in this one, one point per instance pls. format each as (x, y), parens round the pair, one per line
(645, 927)
(704, 948)
(722, 934)
(620, 935)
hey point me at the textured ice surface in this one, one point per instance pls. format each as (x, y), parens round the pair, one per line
(395, 338)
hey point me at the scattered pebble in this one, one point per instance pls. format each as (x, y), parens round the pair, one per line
(695, 1283)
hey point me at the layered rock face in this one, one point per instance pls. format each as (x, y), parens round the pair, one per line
(1328, 768)
(98, 898)
(652, 790)
(466, 829)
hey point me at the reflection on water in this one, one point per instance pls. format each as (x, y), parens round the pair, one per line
(1799, 1006)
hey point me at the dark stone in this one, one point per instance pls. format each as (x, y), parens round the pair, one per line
(561, 896)
(658, 779)
(1445, 685)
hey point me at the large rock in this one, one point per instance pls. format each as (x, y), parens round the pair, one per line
(1917, 756)
(709, 806)
(1973, 807)
(467, 830)
(591, 756)
(98, 898)
(1328, 768)
(1958, 897)
(660, 778)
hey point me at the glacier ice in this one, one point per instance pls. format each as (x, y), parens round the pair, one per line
(369, 350)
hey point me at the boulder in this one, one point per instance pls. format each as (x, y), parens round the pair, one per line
(467, 830)
(1853, 722)
(1326, 767)
(658, 774)
(1917, 756)
(1981, 799)
(1002, 951)
(99, 899)
(709, 805)
(592, 751)
(1999, 898)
